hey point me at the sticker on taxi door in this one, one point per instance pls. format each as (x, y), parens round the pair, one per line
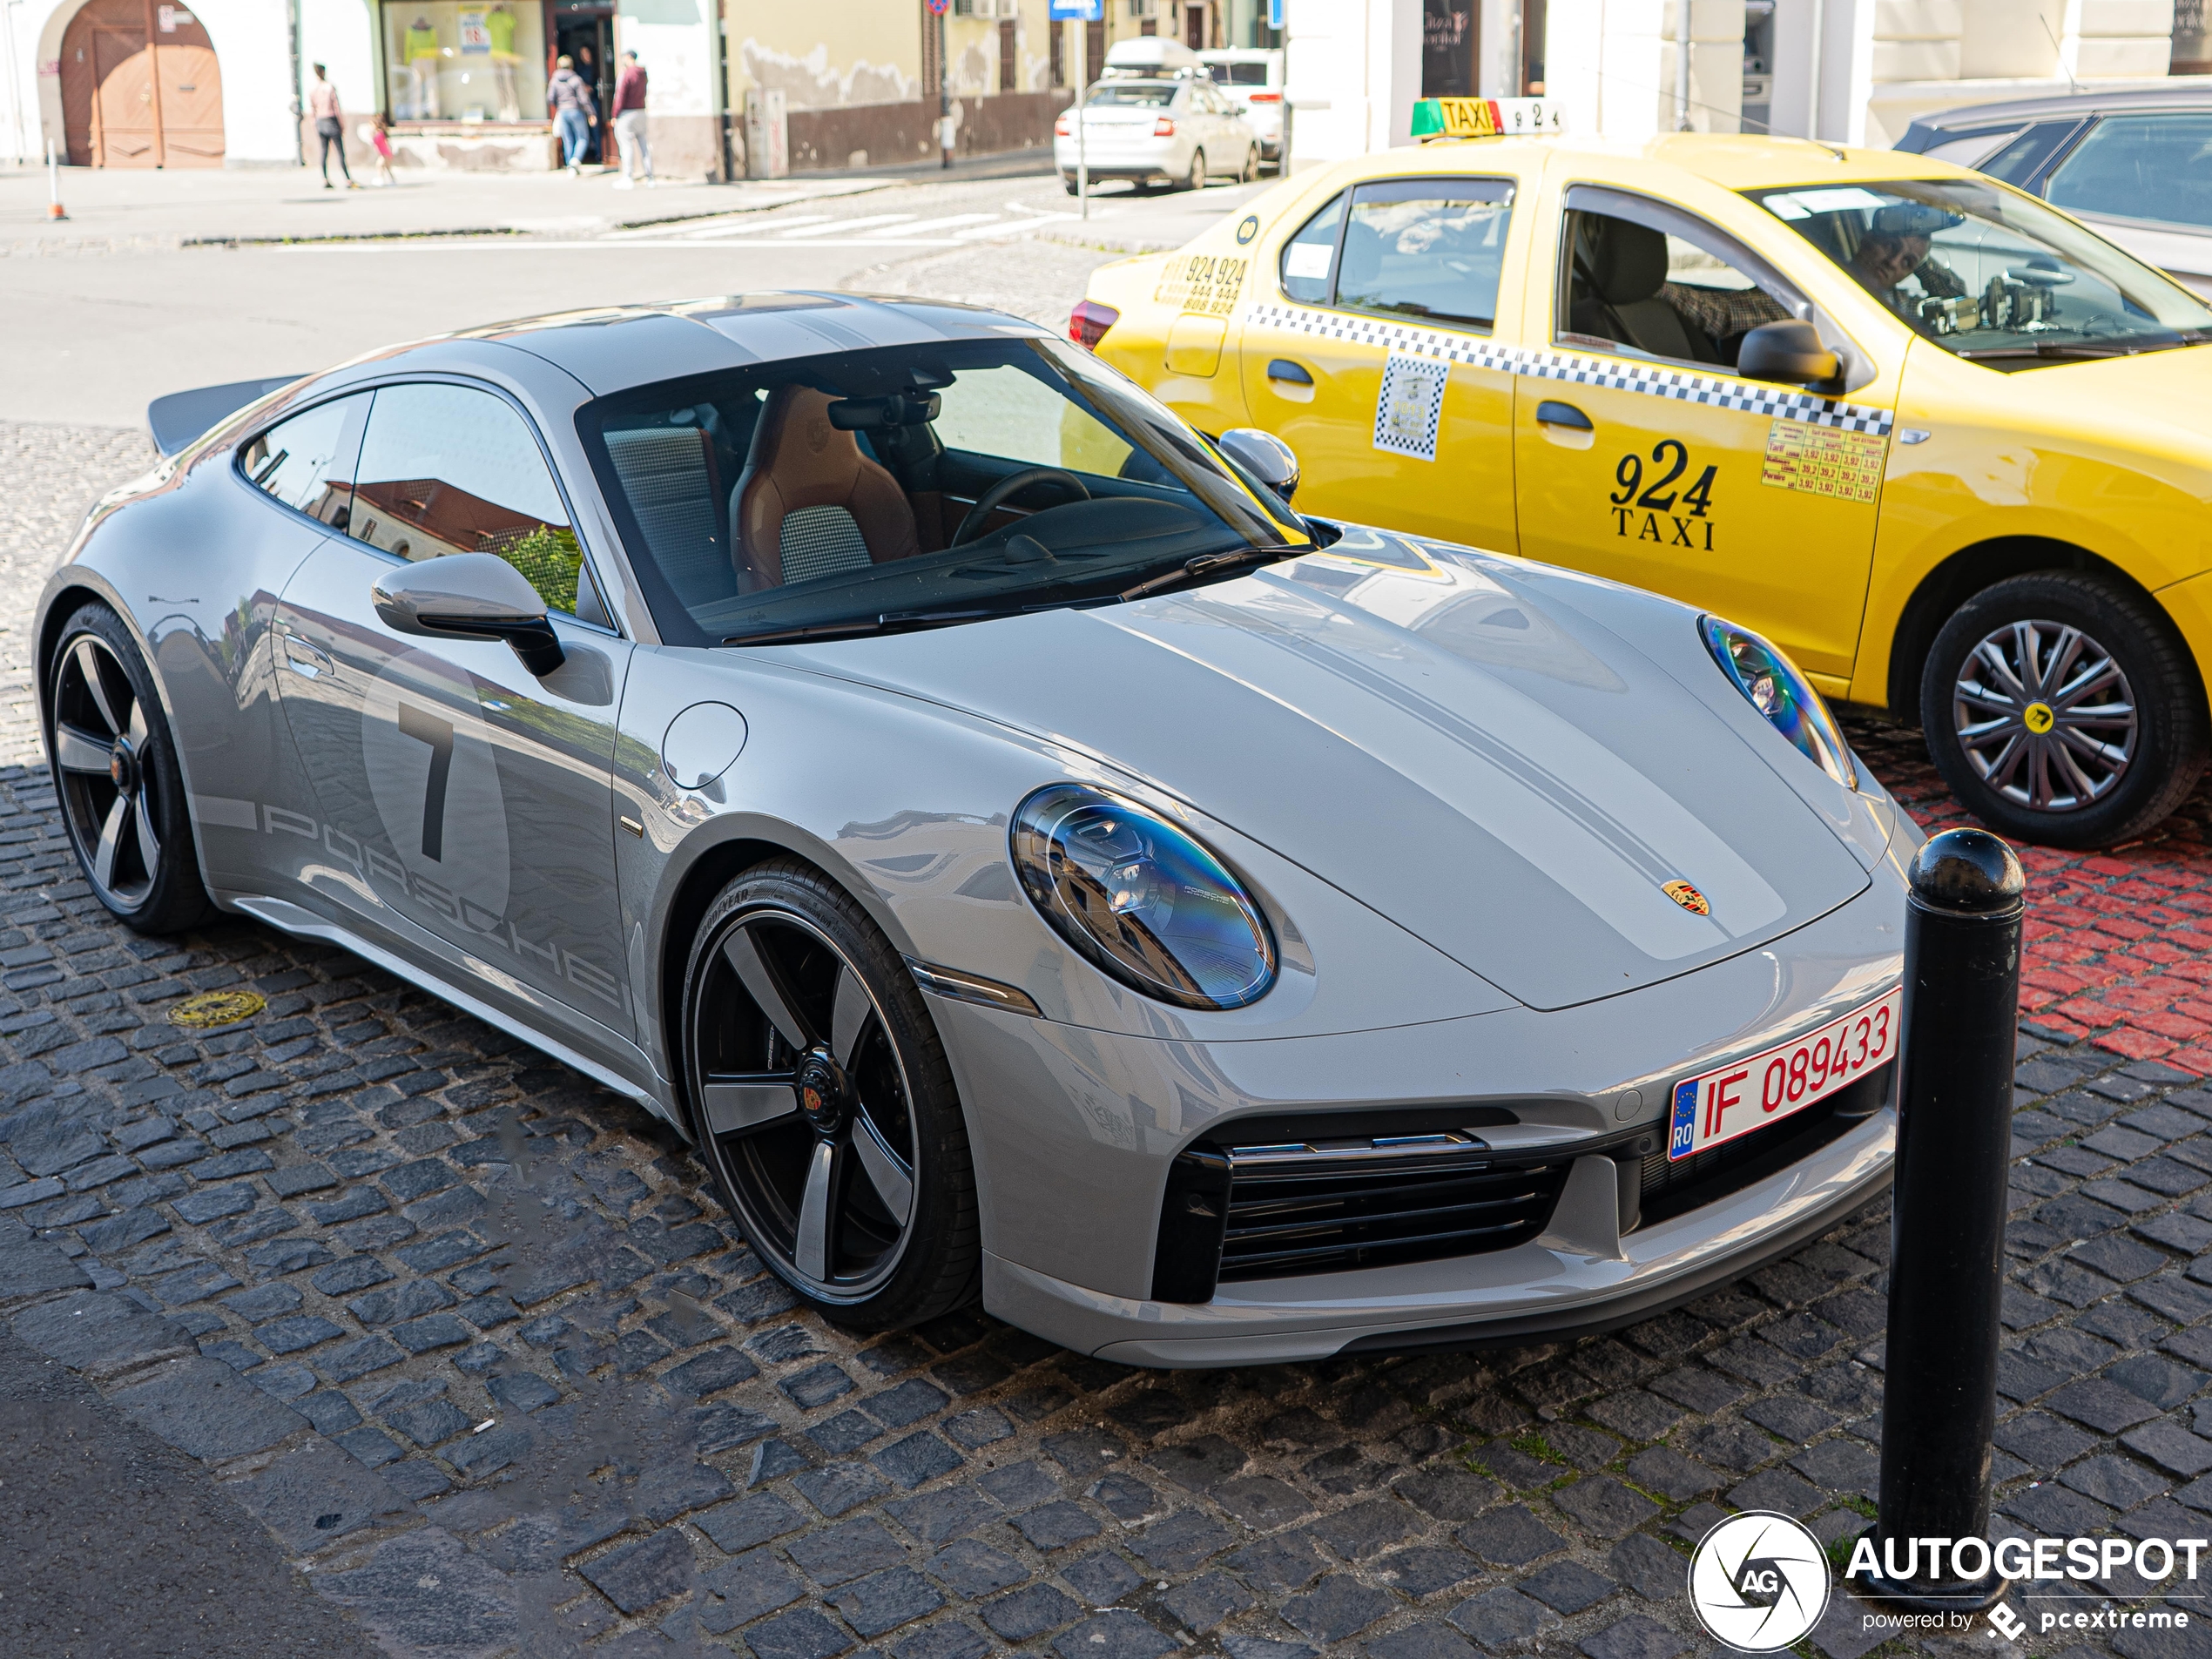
(1823, 461)
(1409, 406)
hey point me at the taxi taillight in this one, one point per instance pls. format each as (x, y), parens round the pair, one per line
(1163, 128)
(1060, 128)
(1089, 321)
(1264, 97)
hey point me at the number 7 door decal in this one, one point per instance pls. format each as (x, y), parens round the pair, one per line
(428, 728)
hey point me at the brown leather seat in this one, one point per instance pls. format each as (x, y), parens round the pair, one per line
(809, 504)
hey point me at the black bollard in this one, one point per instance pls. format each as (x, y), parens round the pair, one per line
(1962, 980)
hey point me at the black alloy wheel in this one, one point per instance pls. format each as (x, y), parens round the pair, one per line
(115, 769)
(824, 1105)
(2064, 710)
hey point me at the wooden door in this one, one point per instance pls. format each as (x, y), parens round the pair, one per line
(124, 104)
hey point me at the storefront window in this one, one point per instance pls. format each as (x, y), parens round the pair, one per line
(464, 60)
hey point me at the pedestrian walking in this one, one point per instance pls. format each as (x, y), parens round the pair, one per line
(630, 123)
(573, 110)
(323, 104)
(377, 136)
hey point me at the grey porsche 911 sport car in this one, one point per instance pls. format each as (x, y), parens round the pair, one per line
(1026, 857)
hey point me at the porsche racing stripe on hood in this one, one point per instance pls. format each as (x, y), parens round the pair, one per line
(1510, 782)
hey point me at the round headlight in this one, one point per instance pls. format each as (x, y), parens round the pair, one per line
(1141, 899)
(1778, 690)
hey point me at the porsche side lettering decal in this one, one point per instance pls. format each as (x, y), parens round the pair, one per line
(1650, 380)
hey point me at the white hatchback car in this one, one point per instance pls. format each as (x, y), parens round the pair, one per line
(1252, 79)
(1176, 130)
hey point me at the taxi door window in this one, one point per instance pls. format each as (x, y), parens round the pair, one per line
(1423, 249)
(1667, 291)
(447, 470)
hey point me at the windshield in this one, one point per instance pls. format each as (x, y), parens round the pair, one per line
(910, 486)
(1990, 274)
(1139, 95)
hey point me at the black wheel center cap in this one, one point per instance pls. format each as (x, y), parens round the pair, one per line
(821, 1083)
(123, 766)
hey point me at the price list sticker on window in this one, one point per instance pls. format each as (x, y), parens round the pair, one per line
(1823, 461)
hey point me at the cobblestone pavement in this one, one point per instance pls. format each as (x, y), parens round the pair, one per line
(472, 1339)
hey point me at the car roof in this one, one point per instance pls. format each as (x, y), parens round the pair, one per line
(1732, 161)
(2077, 104)
(614, 347)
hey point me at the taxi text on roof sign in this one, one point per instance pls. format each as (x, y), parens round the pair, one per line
(1486, 117)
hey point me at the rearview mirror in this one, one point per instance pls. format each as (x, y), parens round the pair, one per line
(1789, 353)
(1264, 455)
(468, 596)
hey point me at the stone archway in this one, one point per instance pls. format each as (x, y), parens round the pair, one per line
(140, 87)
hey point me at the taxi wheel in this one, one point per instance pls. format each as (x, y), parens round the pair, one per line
(824, 1105)
(2064, 710)
(1197, 179)
(1251, 166)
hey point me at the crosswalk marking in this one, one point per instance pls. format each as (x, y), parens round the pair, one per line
(870, 222)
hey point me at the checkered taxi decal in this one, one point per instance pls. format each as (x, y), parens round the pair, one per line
(1652, 380)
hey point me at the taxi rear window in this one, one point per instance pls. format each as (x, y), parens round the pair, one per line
(1429, 249)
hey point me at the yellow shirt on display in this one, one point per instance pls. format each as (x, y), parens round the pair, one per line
(500, 26)
(421, 43)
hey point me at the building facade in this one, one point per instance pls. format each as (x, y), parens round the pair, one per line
(1853, 71)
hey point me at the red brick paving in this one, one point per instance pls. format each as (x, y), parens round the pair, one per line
(2119, 943)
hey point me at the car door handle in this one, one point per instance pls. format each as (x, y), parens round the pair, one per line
(1283, 370)
(305, 658)
(1552, 413)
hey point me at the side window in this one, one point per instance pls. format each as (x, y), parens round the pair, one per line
(306, 461)
(2140, 167)
(1309, 257)
(1407, 247)
(1688, 297)
(2022, 156)
(450, 469)
(1426, 247)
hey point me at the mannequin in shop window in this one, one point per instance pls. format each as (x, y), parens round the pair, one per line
(422, 68)
(499, 25)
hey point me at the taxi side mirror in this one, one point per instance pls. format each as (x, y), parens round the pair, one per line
(1265, 456)
(1789, 353)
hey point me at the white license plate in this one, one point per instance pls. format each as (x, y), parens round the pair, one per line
(1750, 1094)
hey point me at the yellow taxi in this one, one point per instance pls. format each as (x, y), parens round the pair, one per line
(1948, 448)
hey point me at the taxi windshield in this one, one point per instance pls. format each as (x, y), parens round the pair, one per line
(871, 491)
(1990, 275)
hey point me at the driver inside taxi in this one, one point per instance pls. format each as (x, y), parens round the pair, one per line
(1898, 245)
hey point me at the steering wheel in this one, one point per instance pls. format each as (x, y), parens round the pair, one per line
(1010, 485)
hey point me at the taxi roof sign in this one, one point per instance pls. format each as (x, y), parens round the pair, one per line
(1486, 117)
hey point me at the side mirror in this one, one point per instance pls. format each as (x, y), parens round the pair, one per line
(468, 596)
(1789, 353)
(1264, 455)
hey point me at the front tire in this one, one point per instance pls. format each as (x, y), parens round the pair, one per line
(122, 794)
(824, 1103)
(2064, 710)
(1197, 179)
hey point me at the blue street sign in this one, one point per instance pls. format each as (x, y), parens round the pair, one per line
(1274, 14)
(1082, 11)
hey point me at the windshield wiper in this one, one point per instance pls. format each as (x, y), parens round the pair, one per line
(1211, 564)
(892, 622)
(2055, 351)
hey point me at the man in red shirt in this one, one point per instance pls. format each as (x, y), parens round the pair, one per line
(630, 123)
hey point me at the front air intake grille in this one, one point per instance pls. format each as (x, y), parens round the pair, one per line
(1270, 1210)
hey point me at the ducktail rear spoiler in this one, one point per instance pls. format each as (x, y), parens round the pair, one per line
(177, 419)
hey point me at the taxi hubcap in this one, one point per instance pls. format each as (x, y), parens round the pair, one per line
(2045, 716)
